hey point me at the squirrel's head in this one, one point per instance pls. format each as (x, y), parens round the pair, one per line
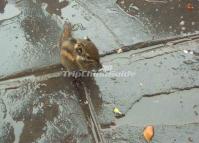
(81, 54)
(87, 55)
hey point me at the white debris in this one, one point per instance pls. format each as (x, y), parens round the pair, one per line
(193, 23)
(191, 52)
(182, 22)
(183, 28)
(119, 51)
(188, 52)
(185, 51)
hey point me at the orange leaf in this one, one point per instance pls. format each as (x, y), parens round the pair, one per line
(189, 7)
(148, 133)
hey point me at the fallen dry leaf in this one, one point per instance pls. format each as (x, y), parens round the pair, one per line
(189, 7)
(148, 133)
(118, 113)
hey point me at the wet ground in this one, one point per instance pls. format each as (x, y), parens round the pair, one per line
(165, 17)
(45, 106)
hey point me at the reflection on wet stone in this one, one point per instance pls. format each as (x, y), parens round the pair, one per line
(103, 111)
(94, 92)
(37, 26)
(49, 111)
(34, 27)
(30, 39)
(22, 101)
(165, 16)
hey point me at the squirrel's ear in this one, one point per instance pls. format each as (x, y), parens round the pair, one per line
(67, 30)
(86, 38)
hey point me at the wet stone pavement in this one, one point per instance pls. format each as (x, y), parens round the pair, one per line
(162, 90)
(164, 17)
(42, 109)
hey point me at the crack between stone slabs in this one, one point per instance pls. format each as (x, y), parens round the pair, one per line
(158, 55)
(91, 117)
(132, 104)
(173, 90)
(157, 125)
(179, 125)
(146, 58)
(46, 69)
(166, 53)
(3, 25)
(10, 19)
(36, 72)
(58, 66)
(131, 55)
(100, 19)
(149, 43)
(160, 46)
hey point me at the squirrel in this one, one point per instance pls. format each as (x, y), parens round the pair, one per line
(78, 54)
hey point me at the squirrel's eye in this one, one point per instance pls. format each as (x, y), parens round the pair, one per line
(79, 51)
(88, 57)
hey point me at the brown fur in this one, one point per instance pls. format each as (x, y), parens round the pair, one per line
(78, 54)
